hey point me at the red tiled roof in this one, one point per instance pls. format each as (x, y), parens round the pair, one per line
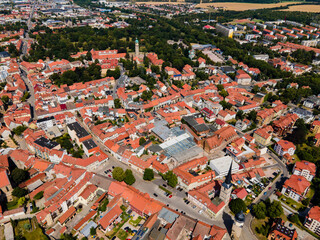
(67, 214)
(297, 183)
(112, 215)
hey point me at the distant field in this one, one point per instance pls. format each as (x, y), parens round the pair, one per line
(243, 6)
(304, 8)
(233, 5)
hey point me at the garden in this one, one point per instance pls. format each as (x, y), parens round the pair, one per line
(28, 229)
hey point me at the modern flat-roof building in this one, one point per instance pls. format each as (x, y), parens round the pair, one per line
(78, 133)
(43, 146)
(89, 147)
(221, 166)
(225, 31)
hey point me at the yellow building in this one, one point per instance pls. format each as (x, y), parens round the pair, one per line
(262, 137)
(315, 127)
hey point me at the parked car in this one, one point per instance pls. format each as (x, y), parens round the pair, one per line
(170, 196)
(156, 195)
(265, 193)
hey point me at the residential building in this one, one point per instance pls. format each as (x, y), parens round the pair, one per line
(43, 146)
(225, 31)
(77, 133)
(312, 221)
(280, 231)
(296, 187)
(46, 123)
(283, 147)
(262, 137)
(284, 124)
(315, 127)
(306, 169)
(192, 174)
(243, 78)
(5, 185)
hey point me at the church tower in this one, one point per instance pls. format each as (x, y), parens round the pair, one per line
(226, 187)
(137, 48)
(238, 225)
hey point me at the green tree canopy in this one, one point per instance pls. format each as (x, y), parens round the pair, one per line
(148, 174)
(93, 231)
(118, 174)
(237, 205)
(21, 201)
(19, 130)
(142, 140)
(19, 192)
(19, 175)
(129, 178)
(171, 179)
(38, 196)
(275, 209)
(260, 210)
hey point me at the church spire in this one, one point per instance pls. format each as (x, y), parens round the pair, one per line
(228, 177)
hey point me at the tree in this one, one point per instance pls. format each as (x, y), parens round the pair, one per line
(260, 210)
(148, 174)
(294, 218)
(19, 130)
(19, 192)
(146, 95)
(118, 174)
(306, 201)
(240, 115)
(129, 178)
(252, 115)
(225, 105)
(93, 231)
(223, 93)
(237, 205)
(68, 236)
(19, 175)
(21, 201)
(299, 134)
(275, 210)
(5, 99)
(142, 140)
(255, 89)
(38, 196)
(220, 87)
(117, 103)
(171, 179)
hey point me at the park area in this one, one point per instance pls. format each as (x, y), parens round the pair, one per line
(29, 229)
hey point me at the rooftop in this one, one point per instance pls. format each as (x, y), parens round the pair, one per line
(46, 143)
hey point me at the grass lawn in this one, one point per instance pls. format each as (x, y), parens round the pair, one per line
(135, 222)
(291, 203)
(115, 230)
(12, 205)
(35, 232)
(310, 193)
(248, 200)
(257, 223)
(164, 189)
(122, 234)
